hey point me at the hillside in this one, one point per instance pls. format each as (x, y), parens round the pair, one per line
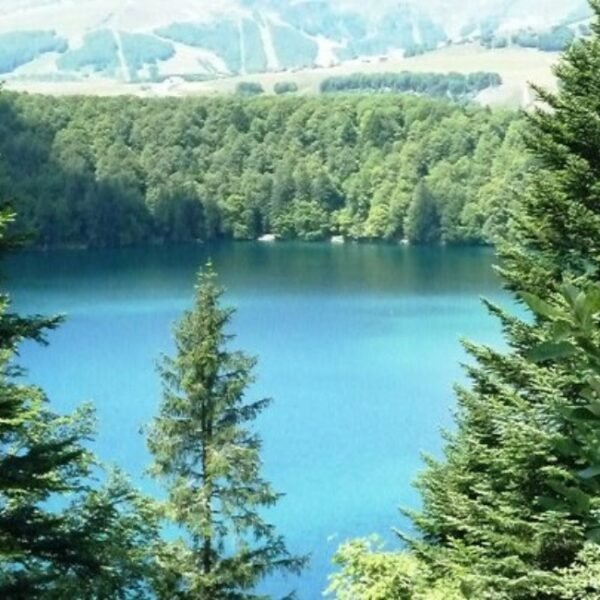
(103, 45)
(122, 171)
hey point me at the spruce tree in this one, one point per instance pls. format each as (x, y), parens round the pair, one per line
(507, 511)
(209, 459)
(61, 535)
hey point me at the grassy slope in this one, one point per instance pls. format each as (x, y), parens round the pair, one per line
(517, 66)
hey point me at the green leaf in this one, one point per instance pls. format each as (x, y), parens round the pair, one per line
(466, 589)
(540, 307)
(566, 447)
(582, 309)
(578, 499)
(593, 295)
(594, 383)
(570, 292)
(561, 330)
(594, 408)
(590, 348)
(551, 351)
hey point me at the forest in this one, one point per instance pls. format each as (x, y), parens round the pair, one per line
(118, 171)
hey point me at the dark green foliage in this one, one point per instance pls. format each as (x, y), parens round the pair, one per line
(449, 85)
(285, 87)
(20, 47)
(99, 52)
(209, 459)
(293, 48)
(574, 341)
(222, 37)
(199, 76)
(115, 171)
(422, 220)
(249, 88)
(61, 536)
(512, 510)
(141, 50)
(178, 212)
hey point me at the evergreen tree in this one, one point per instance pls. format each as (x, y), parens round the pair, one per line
(513, 510)
(210, 462)
(60, 536)
(507, 509)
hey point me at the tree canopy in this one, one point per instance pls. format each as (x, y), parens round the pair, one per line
(118, 171)
(209, 459)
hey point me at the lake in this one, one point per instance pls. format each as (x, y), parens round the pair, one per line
(357, 344)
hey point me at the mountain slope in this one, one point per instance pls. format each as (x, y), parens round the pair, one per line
(150, 40)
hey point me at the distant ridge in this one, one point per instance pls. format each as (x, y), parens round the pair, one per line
(150, 41)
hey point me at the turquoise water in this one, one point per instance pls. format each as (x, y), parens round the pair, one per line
(358, 345)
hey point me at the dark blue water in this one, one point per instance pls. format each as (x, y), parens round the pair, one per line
(358, 345)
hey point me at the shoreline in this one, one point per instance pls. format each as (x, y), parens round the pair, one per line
(47, 249)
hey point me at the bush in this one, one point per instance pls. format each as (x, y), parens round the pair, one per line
(249, 88)
(285, 87)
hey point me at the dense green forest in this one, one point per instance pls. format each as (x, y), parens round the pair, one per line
(115, 171)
